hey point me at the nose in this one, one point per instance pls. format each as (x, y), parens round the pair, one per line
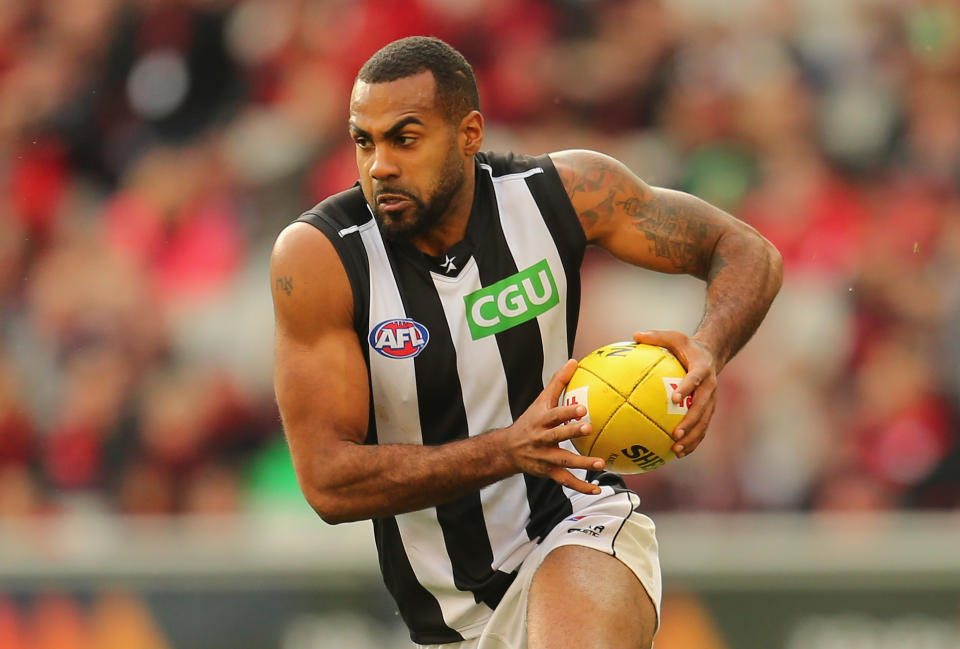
(383, 166)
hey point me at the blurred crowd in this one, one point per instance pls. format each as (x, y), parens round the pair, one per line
(151, 150)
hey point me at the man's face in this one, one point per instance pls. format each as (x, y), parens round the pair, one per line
(407, 154)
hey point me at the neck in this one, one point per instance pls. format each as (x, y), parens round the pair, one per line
(452, 227)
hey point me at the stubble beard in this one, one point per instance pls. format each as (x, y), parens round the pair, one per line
(423, 215)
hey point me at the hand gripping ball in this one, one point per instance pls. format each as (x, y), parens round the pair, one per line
(627, 389)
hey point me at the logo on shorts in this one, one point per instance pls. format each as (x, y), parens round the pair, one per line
(590, 530)
(400, 338)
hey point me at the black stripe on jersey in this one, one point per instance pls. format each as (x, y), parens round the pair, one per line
(521, 350)
(443, 418)
(520, 346)
(564, 226)
(418, 608)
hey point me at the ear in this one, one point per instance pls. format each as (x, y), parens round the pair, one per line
(470, 133)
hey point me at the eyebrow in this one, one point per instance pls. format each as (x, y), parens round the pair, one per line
(390, 132)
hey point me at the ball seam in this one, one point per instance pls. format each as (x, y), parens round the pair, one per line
(626, 401)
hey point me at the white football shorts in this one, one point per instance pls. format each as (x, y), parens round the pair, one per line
(609, 524)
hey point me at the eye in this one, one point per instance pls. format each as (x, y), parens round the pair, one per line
(406, 140)
(361, 142)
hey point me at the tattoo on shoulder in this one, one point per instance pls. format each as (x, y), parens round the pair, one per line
(595, 176)
(599, 212)
(677, 233)
(285, 284)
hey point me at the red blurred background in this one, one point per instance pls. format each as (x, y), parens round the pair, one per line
(152, 150)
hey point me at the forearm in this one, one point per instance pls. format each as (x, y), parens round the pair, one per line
(744, 276)
(370, 481)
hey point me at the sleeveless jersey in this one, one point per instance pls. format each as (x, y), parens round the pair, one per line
(457, 346)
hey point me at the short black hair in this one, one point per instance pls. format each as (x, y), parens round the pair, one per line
(456, 90)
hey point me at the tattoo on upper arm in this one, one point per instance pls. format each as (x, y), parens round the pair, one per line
(677, 233)
(677, 230)
(285, 284)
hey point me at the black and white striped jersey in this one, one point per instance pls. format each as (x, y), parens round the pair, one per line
(457, 346)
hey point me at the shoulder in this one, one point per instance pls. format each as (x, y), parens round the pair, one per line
(313, 236)
(508, 163)
(308, 281)
(601, 189)
(584, 171)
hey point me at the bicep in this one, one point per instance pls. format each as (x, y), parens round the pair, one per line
(660, 229)
(320, 376)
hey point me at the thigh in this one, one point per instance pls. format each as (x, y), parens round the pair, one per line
(582, 597)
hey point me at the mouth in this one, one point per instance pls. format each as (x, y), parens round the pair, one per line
(393, 202)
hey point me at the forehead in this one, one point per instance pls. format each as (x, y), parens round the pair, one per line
(374, 105)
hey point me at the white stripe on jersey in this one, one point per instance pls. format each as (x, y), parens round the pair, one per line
(504, 503)
(519, 174)
(530, 241)
(398, 422)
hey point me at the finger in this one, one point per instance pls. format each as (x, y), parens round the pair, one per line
(567, 479)
(689, 422)
(689, 442)
(703, 395)
(674, 341)
(569, 460)
(567, 431)
(687, 386)
(694, 412)
(558, 382)
(564, 414)
(656, 337)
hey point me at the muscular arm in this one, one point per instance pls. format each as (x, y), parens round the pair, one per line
(674, 232)
(322, 390)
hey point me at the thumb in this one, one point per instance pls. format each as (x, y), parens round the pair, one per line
(650, 338)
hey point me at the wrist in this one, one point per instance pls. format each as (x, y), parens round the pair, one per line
(496, 452)
(713, 347)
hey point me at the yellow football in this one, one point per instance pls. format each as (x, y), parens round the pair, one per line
(627, 389)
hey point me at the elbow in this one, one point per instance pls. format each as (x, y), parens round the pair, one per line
(324, 506)
(333, 518)
(760, 254)
(331, 509)
(775, 264)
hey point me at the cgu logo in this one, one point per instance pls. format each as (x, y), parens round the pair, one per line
(511, 301)
(399, 338)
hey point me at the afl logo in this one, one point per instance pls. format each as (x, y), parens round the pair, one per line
(399, 338)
